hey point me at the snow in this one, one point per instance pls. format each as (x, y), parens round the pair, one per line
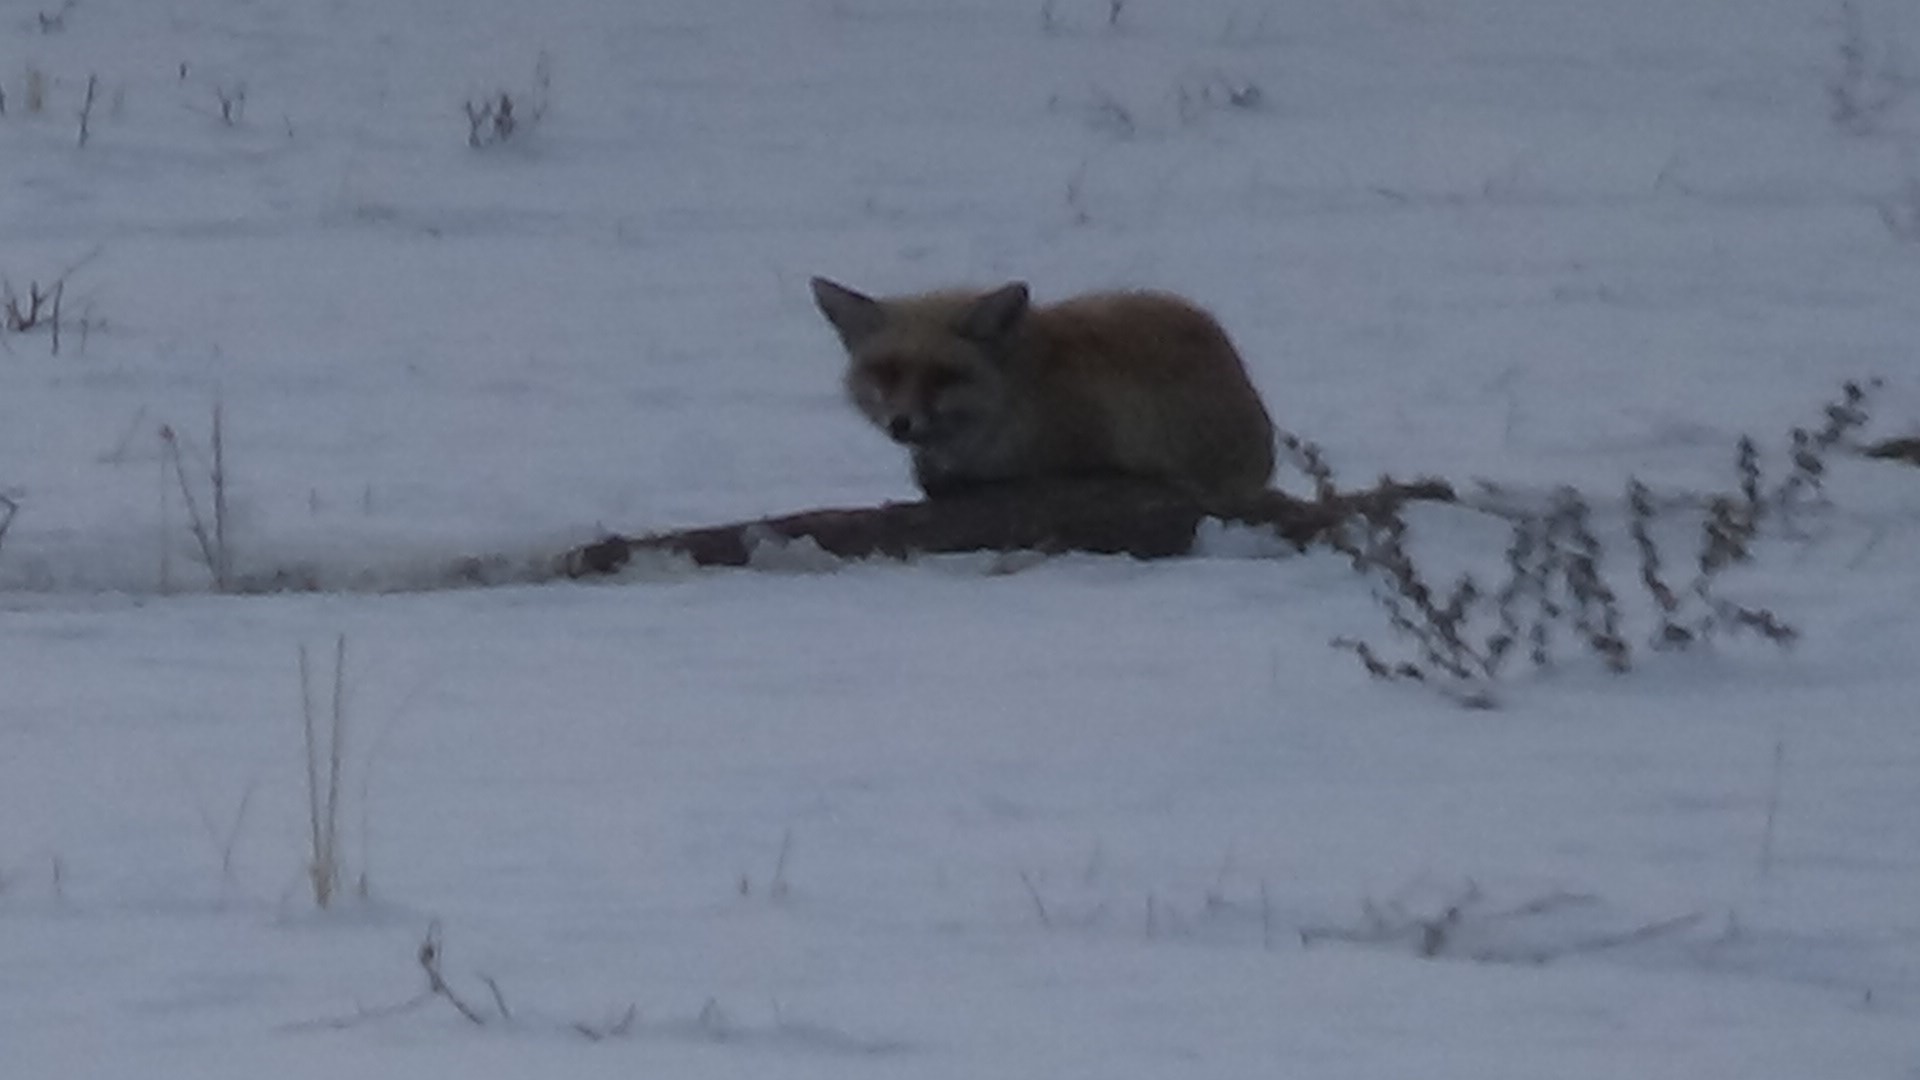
(964, 816)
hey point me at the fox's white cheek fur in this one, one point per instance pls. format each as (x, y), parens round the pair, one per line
(870, 401)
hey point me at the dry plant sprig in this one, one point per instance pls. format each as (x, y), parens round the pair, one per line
(224, 840)
(326, 760)
(496, 118)
(1595, 608)
(1448, 660)
(1439, 935)
(42, 308)
(52, 22)
(490, 121)
(210, 531)
(86, 109)
(430, 957)
(1640, 520)
(1410, 602)
(1311, 460)
(1805, 482)
(1555, 572)
(777, 887)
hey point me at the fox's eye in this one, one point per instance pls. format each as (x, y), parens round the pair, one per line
(884, 372)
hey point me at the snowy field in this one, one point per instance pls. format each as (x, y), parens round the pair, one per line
(1094, 818)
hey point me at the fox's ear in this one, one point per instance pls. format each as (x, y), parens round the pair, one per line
(855, 315)
(993, 316)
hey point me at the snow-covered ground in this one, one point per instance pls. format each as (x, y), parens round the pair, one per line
(1094, 818)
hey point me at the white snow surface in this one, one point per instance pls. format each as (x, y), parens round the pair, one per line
(1072, 817)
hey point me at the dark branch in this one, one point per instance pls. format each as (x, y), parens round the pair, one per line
(1104, 515)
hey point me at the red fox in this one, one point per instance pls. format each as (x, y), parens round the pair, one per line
(982, 387)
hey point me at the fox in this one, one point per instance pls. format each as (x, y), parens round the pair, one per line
(984, 387)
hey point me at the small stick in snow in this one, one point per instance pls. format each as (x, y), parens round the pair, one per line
(1773, 807)
(86, 108)
(1039, 905)
(429, 957)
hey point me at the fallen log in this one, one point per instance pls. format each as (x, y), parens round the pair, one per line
(1104, 515)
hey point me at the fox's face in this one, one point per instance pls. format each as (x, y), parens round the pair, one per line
(930, 372)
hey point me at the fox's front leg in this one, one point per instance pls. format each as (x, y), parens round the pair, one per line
(939, 480)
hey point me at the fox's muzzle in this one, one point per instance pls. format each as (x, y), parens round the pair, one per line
(908, 429)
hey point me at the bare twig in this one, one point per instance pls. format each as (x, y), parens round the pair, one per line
(53, 330)
(86, 108)
(233, 103)
(1435, 936)
(222, 552)
(499, 999)
(211, 534)
(52, 22)
(777, 887)
(195, 521)
(8, 510)
(43, 305)
(429, 958)
(224, 840)
(38, 310)
(1039, 904)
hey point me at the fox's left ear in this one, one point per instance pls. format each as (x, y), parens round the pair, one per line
(855, 315)
(993, 316)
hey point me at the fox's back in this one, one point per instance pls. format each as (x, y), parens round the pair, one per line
(1165, 381)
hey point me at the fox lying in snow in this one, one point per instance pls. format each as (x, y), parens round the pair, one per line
(983, 387)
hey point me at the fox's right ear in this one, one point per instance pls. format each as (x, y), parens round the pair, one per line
(855, 315)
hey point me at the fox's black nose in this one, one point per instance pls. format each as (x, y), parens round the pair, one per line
(899, 428)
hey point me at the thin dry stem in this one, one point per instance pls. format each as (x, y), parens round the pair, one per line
(1039, 904)
(323, 793)
(429, 958)
(1775, 782)
(86, 109)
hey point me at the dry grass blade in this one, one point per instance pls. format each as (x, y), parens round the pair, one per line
(326, 753)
